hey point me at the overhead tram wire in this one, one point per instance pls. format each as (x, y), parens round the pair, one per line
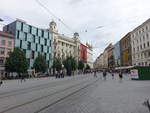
(51, 13)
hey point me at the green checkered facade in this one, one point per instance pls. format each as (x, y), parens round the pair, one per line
(33, 41)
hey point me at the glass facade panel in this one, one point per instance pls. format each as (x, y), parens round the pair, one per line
(25, 28)
(39, 32)
(18, 25)
(34, 30)
(45, 34)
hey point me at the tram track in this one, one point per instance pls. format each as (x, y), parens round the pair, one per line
(48, 96)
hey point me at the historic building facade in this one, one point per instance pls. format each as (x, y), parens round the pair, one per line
(83, 53)
(6, 46)
(125, 47)
(32, 40)
(64, 46)
(140, 43)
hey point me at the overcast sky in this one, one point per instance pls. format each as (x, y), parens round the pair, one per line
(117, 17)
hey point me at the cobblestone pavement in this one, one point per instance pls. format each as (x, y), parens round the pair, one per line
(110, 96)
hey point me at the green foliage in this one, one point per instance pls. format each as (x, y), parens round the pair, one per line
(57, 64)
(40, 64)
(87, 67)
(70, 61)
(81, 65)
(16, 62)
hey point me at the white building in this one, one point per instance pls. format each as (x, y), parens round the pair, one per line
(140, 44)
(89, 55)
(64, 46)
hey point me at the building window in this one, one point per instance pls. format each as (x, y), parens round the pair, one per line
(42, 33)
(18, 33)
(141, 46)
(2, 51)
(33, 55)
(8, 51)
(45, 42)
(33, 36)
(41, 48)
(148, 54)
(50, 43)
(47, 49)
(36, 47)
(48, 35)
(148, 44)
(146, 27)
(143, 38)
(30, 29)
(25, 36)
(37, 31)
(3, 42)
(9, 43)
(29, 45)
(21, 26)
(45, 55)
(20, 43)
(147, 35)
(144, 45)
(39, 40)
(1, 61)
(143, 29)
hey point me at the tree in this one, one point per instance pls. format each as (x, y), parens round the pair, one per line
(16, 62)
(88, 67)
(57, 64)
(81, 65)
(70, 64)
(40, 64)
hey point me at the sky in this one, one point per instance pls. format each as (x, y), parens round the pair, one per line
(98, 22)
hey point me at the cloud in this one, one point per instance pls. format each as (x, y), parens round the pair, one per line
(117, 16)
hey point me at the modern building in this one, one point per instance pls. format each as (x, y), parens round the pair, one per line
(110, 57)
(117, 54)
(6, 46)
(83, 53)
(140, 44)
(125, 48)
(65, 46)
(32, 40)
(89, 55)
(105, 56)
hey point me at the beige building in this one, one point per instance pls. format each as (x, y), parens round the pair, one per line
(6, 46)
(64, 46)
(102, 61)
(140, 44)
(99, 63)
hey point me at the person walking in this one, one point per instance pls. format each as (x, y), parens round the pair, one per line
(120, 76)
(112, 75)
(1, 82)
(95, 75)
(104, 75)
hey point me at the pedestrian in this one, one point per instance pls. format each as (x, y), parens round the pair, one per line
(120, 76)
(95, 75)
(112, 75)
(104, 75)
(1, 82)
